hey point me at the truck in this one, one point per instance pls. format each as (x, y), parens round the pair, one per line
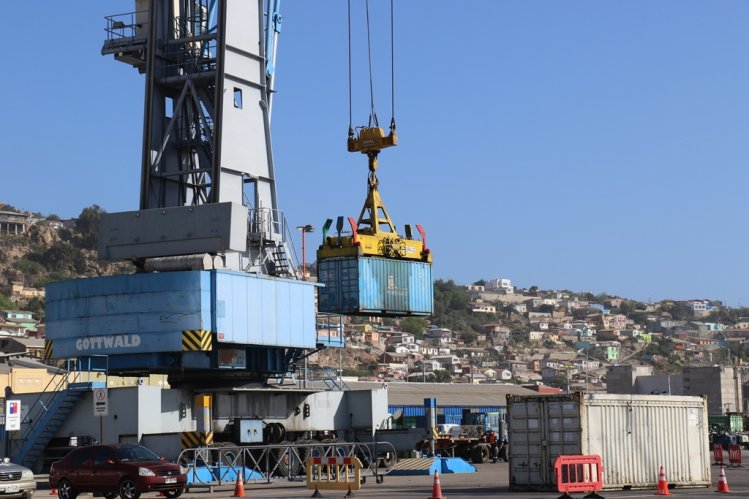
(472, 440)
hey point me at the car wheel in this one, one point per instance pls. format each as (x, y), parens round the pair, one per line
(65, 490)
(171, 494)
(110, 495)
(128, 489)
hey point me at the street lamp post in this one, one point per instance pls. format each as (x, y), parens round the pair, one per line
(304, 229)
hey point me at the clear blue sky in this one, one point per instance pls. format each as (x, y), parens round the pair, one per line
(588, 145)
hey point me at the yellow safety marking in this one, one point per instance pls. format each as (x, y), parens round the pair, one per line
(333, 473)
(197, 340)
(414, 464)
(435, 434)
(202, 401)
(192, 439)
(47, 349)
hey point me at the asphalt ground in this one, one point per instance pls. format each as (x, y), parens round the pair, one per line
(491, 480)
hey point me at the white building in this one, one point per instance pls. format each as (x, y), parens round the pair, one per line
(502, 285)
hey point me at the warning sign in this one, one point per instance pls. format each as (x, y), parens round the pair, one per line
(101, 402)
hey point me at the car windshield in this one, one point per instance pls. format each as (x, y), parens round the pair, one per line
(136, 453)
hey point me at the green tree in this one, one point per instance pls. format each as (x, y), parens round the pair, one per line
(87, 225)
(36, 307)
(414, 325)
(442, 376)
(6, 303)
(468, 336)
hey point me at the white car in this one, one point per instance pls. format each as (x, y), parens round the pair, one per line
(16, 481)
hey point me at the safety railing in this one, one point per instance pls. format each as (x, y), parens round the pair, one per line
(579, 474)
(333, 473)
(127, 25)
(219, 465)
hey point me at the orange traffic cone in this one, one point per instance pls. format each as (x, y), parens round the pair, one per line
(662, 484)
(437, 488)
(239, 487)
(722, 482)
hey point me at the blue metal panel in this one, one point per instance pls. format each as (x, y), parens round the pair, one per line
(258, 310)
(408, 410)
(141, 314)
(128, 314)
(376, 286)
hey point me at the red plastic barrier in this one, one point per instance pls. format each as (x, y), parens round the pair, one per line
(718, 454)
(734, 455)
(579, 474)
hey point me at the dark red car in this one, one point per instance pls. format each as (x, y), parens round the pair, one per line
(126, 470)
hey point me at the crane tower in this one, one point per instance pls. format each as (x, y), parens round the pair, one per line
(206, 154)
(216, 290)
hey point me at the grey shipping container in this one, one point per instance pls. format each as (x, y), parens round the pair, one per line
(375, 286)
(633, 434)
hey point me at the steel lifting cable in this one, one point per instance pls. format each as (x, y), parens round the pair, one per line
(350, 105)
(392, 68)
(372, 112)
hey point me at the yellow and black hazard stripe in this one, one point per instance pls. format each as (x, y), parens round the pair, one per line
(192, 439)
(47, 349)
(197, 340)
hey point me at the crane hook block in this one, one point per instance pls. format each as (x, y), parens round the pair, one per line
(371, 140)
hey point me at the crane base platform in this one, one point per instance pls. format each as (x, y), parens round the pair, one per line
(163, 321)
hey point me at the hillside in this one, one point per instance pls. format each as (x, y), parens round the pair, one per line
(50, 250)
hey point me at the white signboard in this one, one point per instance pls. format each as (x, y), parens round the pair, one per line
(101, 402)
(12, 415)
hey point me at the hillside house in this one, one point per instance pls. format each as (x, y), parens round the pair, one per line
(392, 358)
(610, 350)
(613, 302)
(438, 333)
(399, 338)
(551, 335)
(372, 337)
(520, 308)
(608, 335)
(503, 286)
(20, 292)
(536, 336)
(429, 365)
(482, 307)
(617, 321)
(14, 224)
(428, 350)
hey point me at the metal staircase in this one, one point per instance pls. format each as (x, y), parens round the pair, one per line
(47, 413)
(329, 376)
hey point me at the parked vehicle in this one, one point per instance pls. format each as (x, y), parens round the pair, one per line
(16, 481)
(126, 470)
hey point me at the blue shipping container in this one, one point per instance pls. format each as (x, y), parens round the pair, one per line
(375, 286)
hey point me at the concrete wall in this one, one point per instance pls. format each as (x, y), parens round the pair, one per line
(724, 393)
(621, 378)
(660, 385)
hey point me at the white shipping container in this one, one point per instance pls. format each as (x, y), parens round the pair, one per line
(633, 434)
